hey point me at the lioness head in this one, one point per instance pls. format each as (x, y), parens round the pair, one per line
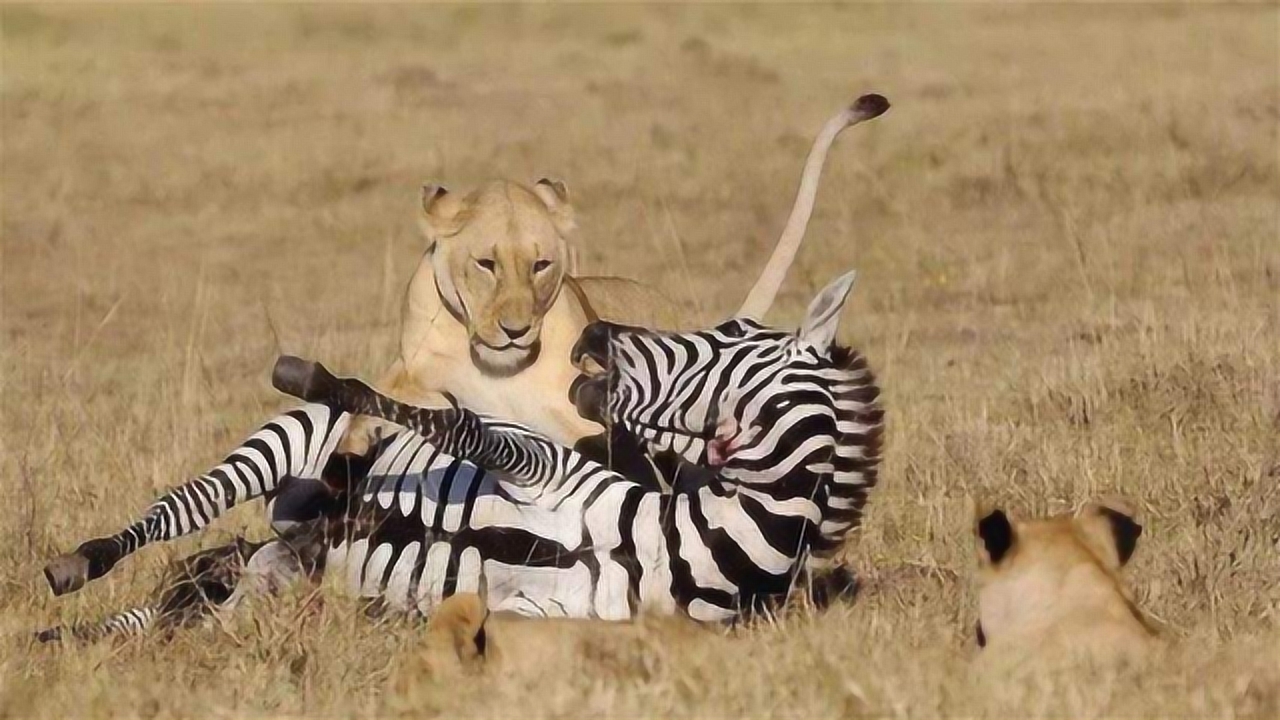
(1052, 585)
(499, 255)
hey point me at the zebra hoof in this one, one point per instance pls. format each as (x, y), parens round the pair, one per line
(52, 635)
(303, 379)
(67, 573)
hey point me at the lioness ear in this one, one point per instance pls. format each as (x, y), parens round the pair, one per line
(431, 194)
(555, 195)
(996, 533)
(823, 316)
(438, 210)
(1111, 522)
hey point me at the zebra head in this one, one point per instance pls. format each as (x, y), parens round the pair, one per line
(720, 394)
(764, 406)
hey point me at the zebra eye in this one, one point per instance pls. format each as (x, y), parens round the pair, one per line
(732, 329)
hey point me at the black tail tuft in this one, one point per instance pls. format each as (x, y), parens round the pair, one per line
(869, 106)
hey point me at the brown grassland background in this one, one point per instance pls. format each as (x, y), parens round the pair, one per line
(1068, 237)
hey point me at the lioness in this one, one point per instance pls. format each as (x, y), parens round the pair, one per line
(485, 317)
(1050, 590)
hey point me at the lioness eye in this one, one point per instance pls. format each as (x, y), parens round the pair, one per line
(485, 264)
(541, 265)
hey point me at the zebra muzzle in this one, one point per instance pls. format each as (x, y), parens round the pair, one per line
(590, 395)
(593, 344)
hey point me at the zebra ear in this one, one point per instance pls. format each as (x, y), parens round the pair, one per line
(823, 317)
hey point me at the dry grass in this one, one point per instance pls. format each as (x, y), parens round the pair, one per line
(1066, 229)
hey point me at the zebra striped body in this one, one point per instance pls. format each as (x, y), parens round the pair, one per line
(590, 543)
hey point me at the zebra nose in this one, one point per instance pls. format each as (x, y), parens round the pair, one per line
(590, 397)
(515, 333)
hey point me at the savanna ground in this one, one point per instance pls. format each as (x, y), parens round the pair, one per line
(1067, 233)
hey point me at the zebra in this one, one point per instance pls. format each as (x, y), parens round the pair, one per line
(792, 448)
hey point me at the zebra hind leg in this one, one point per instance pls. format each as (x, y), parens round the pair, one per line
(129, 623)
(192, 587)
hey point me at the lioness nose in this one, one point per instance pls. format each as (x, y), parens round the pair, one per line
(514, 333)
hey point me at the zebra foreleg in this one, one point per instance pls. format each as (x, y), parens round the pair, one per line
(69, 572)
(297, 444)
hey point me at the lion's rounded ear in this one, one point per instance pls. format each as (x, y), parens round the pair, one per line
(1112, 522)
(456, 631)
(432, 194)
(439, 208)
(555, 195)
(553, 192)
(996, 532)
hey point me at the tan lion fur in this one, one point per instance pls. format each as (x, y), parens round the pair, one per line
(463, 636)
(1050, 589)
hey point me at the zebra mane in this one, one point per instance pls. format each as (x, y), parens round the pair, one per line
(860, 424)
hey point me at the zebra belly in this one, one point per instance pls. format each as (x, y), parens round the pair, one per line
(540, 591)
(426, 526)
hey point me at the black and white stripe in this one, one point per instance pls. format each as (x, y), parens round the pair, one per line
(295, 444)
(193, 585)
(129, 623)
